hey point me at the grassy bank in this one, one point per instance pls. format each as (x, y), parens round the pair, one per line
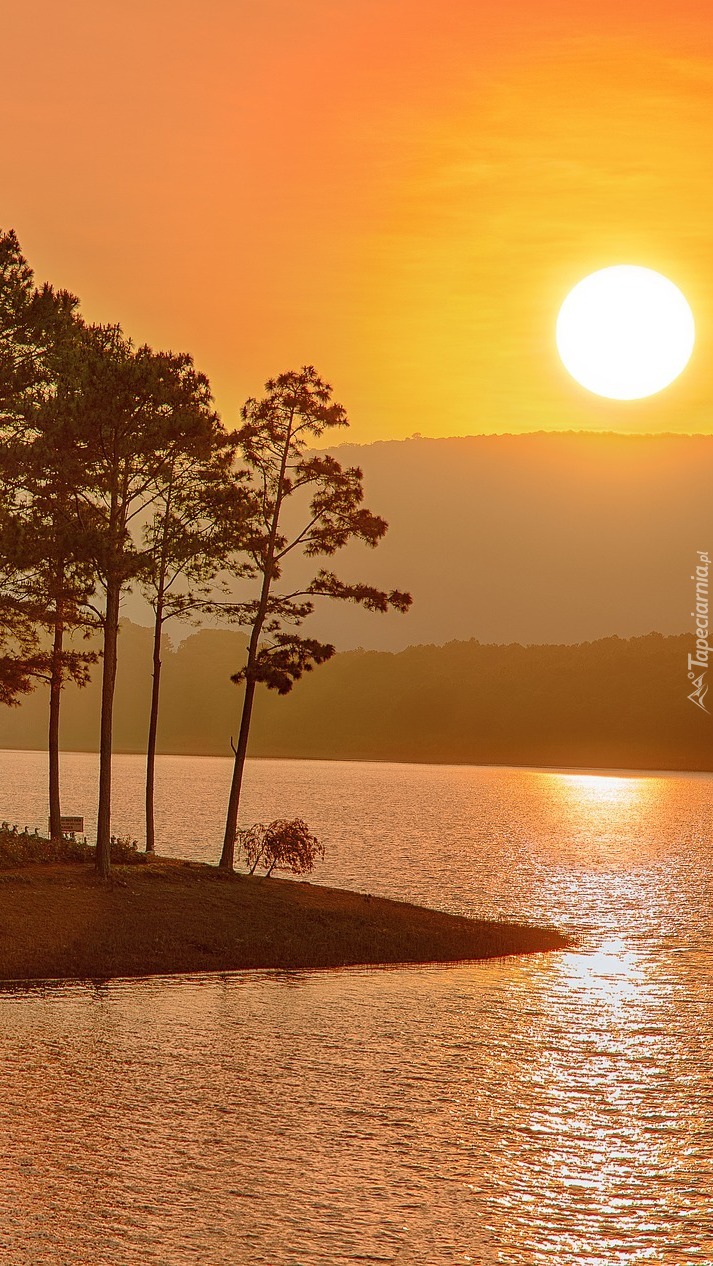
(58, 921)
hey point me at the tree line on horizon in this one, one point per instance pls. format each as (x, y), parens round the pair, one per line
(117, 471)
(610, 703)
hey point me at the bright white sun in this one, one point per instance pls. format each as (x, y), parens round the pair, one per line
(625, 332)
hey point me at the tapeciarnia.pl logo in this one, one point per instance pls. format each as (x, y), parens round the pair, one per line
(698, 663)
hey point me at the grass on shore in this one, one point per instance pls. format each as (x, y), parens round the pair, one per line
(27, 848)
(58, 920)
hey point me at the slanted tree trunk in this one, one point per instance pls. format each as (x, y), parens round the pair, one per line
(53, 737)
(111, 637)
(227, 857)
(153, 728)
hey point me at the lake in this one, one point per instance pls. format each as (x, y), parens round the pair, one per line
(554, 1110)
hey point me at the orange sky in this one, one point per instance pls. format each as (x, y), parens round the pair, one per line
(399, 191)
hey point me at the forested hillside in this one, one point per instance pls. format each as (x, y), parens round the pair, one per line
(613, 702)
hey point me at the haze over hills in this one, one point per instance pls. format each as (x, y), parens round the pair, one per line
(539, 538)
(551, 576)
(611, 703)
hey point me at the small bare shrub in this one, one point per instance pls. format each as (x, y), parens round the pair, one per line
(285, 844)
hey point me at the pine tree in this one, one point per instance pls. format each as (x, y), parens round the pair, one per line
(274, 439)
(130, 414)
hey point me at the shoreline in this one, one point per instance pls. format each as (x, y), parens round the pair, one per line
(602, 770)
(169, 917)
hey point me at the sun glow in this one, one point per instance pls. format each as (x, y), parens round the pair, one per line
(625, 332)
(593, 790)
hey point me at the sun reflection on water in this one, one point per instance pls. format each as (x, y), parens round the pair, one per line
(610, 820)
(605, 791)
(606, 1096)
(610, 975)
(604, 1118)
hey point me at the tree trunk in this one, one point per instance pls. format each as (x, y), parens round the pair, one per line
(227, 857)
(111, 635)
(153, 728)
(53, 739)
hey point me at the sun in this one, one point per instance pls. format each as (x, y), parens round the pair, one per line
(625, 332)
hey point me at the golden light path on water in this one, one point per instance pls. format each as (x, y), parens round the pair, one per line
(553, 1110)
(617, 1008)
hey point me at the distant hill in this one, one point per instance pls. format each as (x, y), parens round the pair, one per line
(539, 538)
(613, 702)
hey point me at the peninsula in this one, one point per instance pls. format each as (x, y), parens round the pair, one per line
(58, 921)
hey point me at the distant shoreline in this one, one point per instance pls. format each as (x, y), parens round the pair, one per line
(60, 922)
(619, 771)
(613, 703)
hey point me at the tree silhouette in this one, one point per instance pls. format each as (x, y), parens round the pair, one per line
(274, 439)
(30, 319)
(45, 577)
(128, 414)
(20, 375)
(21, 656)
(55, 581)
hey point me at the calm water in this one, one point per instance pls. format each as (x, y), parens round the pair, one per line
(547, 1111)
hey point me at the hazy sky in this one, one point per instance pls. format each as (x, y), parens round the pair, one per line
(399, 191)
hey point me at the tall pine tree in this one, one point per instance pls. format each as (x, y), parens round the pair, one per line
(322, 503)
